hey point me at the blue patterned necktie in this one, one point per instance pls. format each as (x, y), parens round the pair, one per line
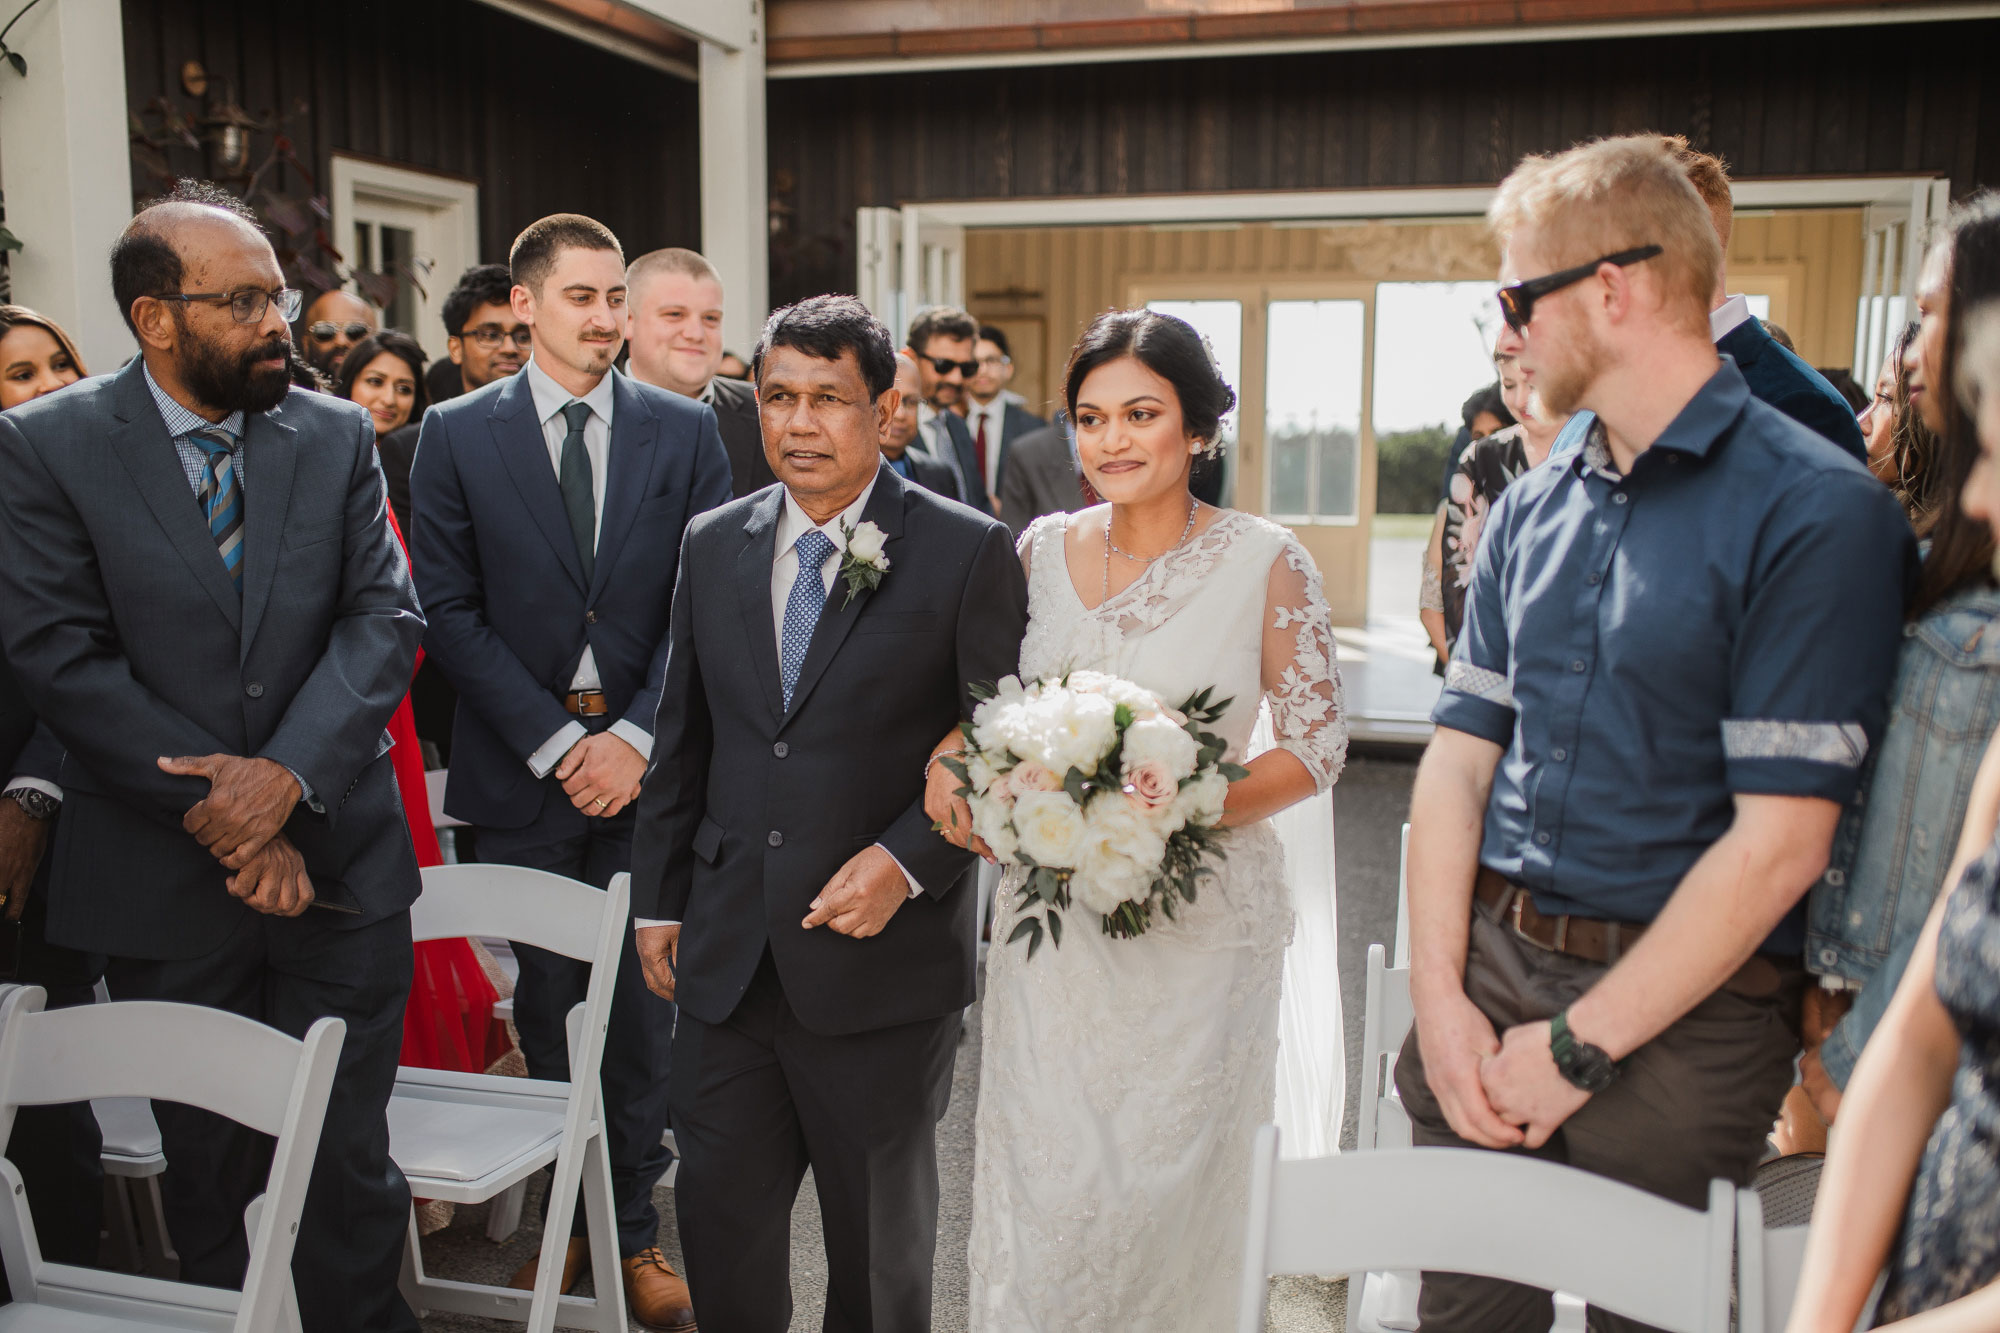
(802, 608)
(222, 500)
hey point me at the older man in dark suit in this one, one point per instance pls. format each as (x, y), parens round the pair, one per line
(201, 595)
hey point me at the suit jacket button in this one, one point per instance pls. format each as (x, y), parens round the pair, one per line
(781, 749)
(776, 839)
(590, 617)
(254, 689)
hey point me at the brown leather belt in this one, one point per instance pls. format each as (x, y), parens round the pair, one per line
(1578, 936)
(585, 703)
(1606, 942)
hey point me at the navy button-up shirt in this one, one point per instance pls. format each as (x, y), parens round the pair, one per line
(1724, 619)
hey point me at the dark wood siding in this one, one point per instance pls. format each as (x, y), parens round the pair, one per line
(1895, 99)
(543, 123)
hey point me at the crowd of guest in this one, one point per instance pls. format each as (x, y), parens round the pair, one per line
(1708, 841)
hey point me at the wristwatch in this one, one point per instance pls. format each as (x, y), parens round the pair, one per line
(1585, 1066)
(37, 805)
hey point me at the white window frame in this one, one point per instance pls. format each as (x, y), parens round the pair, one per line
(454, 205)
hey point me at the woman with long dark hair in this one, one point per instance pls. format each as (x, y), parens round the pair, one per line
(36, 356)
(1122, 1080)
(1902, 450)
(1913, 1180)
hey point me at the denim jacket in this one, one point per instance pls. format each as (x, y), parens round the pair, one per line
(1896, 840)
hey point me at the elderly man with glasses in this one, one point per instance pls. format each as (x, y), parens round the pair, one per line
(205, 605)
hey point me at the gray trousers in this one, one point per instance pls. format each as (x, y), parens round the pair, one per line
(1693, 1104)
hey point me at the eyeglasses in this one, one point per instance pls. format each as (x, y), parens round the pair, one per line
(248, 306)
(326, 331)
(944, 365)
(490, 336)
(1517, 302)
(996, 362)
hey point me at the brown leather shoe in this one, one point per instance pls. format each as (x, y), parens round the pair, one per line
(573, 1263)
(655, 1294)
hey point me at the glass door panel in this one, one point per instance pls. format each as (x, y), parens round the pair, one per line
(1312, 409)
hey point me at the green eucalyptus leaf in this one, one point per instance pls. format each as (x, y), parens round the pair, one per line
(1055, 929)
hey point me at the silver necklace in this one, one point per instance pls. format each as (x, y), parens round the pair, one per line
(1104, 593)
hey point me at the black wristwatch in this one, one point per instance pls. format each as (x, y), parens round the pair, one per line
(1584, 1065)
(37, 805)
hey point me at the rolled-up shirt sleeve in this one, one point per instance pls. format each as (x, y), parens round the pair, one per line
(1817, 648)
(1478, 696)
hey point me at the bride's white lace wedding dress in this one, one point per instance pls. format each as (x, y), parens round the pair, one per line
(1122, 1081)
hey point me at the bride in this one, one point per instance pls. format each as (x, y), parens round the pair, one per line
(1122, 1081)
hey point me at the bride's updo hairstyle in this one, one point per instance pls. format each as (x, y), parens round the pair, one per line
(1168, 347)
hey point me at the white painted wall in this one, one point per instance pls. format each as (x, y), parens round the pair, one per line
(735, 212)
(66, 169)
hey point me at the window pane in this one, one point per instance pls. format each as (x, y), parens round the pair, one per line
(1312, 408)
(1221, 324)
(1291, 477)
(1760, 306)
(1433, 349)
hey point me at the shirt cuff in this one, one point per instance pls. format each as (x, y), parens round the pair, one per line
(18, 783)
(306, 797)
(916, 889)
(554, 748)
(640, 923)
(635, 736)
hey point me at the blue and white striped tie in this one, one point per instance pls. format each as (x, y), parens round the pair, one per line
(222, 500)
(802, 608)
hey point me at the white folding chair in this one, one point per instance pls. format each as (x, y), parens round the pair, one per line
(442, 823)
(467, 1138)
(221, 1062)
(1383, 1302)
(1492, 1214)
(1403, 900)
(134, 1158)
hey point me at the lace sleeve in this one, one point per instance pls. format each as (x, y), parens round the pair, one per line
(1301, 675)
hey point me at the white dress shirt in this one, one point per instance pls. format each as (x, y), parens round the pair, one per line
(995, 415)
(550, 399)
(794, 523)
(1725, 317)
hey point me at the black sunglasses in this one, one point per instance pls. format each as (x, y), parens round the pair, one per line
(1517, 302)
(944, 365)
(326, 331)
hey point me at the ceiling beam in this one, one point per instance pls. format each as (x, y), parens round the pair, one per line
(728, 24)
(911, 53)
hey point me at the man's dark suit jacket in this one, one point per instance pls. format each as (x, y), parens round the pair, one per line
(742, 435)
(398, 451)
(964, 456)
(1786, 382)
(1041, 477)
(1015, 423)
(504, 590)
(749, 809)
(933, 474)
(131, 643)
(17, 720)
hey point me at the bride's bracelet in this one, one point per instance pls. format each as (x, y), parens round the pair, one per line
(934, 758)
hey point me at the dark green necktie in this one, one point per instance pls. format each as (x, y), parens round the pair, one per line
(574, 477)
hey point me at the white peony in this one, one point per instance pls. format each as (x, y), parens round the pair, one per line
(1200, 801)
(979, 772)
(1050, 828)
(1158, 741)
(1143, 702)
(991, 821)
(1075, 731)
(1118, 828)
(865, 544)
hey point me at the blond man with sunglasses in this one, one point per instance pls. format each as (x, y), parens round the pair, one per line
(1676, 651)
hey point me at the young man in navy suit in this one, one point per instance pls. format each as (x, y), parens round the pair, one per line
(549, 508)
(1776, 374)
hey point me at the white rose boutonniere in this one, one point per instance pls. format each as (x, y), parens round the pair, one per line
(862, 563)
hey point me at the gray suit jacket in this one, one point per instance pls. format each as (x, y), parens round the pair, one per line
(1040, 477)
(131, 642)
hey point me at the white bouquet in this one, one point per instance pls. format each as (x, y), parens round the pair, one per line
(1111, 798)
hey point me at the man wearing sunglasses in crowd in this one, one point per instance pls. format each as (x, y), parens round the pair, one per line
(941, 342)
(1676, 654)
(334, 322)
